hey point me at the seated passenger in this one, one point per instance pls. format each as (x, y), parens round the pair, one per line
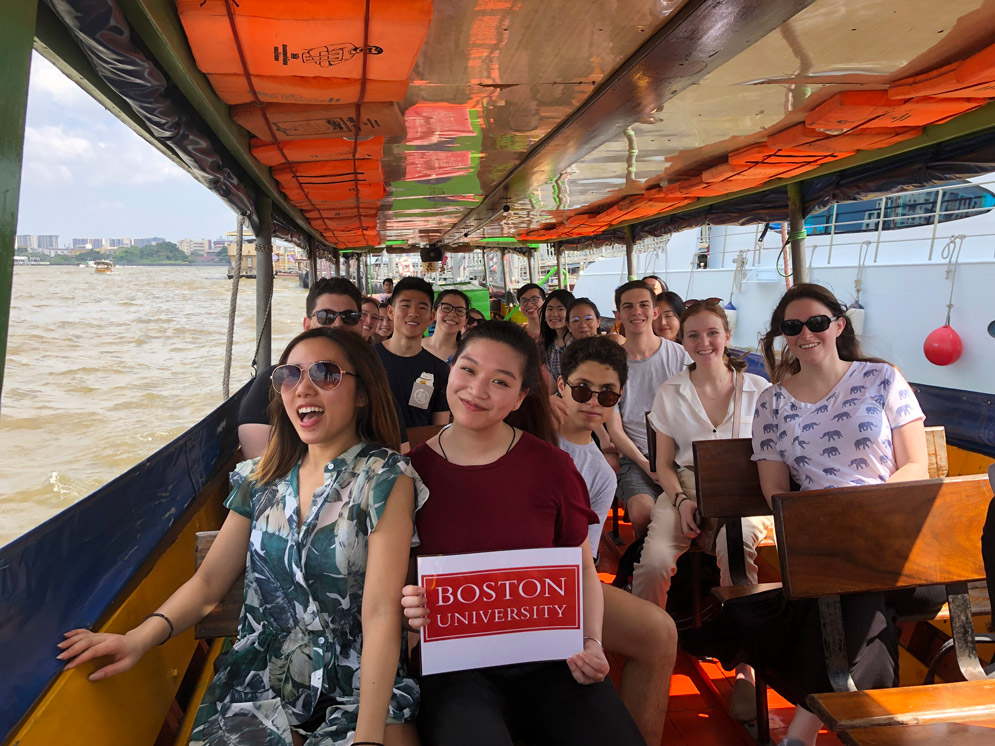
(668, 323)
(386, 326)
(474, 317)
(496, 487)
(451, 307)
(530, 297)
(323, 523)
(834, 418)
(554, 335)
(583, 319)
(331, 301)
(656, 284)
(417, 377)
(593, 375)
(712, 398)
(369, 319)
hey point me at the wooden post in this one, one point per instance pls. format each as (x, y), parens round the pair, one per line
(264, 283)
(504, 276)
(559, 268)
(17, 33)
(313, 262)
(796, 232)
(338, 263)
(630, 253)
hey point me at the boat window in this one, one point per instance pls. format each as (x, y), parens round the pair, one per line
(903, 210)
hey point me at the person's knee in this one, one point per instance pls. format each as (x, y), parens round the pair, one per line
(657, 634)
(639, 508)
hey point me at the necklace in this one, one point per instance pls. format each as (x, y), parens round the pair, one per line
(507, 451)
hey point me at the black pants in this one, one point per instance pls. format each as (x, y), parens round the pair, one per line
(988, 551)
(537, 702)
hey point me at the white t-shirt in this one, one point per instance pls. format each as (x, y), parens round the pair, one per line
(679, 413)
(645, 377)
(845, 438)
(600, 480)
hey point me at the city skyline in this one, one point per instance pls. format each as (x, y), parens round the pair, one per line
(86, 174)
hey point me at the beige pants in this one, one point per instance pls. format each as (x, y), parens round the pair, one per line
(665, 542)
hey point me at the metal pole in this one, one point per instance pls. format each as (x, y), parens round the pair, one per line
(264, 283)
(483, 263)
(559, 268)
(338, 263)
(796, 232)
(359, 273)
(630, 258)
(17, 33)
(313, 263)
(532, 274)
(504, 276)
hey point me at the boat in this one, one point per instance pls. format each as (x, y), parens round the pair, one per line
(514, 131)
(103, 266)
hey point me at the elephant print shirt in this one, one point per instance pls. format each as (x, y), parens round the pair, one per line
(842, 440)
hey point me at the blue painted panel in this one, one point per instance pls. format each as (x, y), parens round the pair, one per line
(66, 572)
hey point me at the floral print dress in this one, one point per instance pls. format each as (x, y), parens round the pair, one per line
(296, 660)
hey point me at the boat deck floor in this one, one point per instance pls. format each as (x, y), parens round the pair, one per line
(700, 690)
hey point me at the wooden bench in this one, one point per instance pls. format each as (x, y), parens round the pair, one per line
(879, 538)
(936, 734)
(222, 621)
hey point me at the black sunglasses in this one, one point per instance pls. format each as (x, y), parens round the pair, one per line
(326, 317)
(815, 324)
(707, 301)
(473, 321)
(324, 374)
(583, 393)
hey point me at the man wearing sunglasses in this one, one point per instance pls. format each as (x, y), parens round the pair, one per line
(331, 301)
(652, 360)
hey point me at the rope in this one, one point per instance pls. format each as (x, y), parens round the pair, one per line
(230, 341)
(630, 158)
(359, 111)
(858, 282)
(738, 274)
(951, 252)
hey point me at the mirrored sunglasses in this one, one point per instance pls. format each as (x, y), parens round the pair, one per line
(582, 393)
(815, 324)
(326, 317)
(324, 374)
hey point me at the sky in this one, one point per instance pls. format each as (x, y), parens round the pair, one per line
(86, 175)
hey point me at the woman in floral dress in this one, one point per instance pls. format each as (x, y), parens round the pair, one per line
(321, 524)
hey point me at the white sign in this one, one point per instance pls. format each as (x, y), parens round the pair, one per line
(496, 608)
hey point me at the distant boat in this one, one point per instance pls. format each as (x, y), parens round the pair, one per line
(103, 266)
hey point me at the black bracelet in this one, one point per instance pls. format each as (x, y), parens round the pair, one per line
(366, 743)
(681, 502)
(162, 616)
(676, 495)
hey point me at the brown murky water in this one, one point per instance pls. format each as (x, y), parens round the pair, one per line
(103, 370)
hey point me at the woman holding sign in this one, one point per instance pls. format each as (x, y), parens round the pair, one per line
(321, 525)
(498, 482)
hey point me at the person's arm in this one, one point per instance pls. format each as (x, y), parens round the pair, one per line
(667, 478)
(775, 479)
(590, 665)
(192, 601)
(911, 456)
(386, 569)
(625, 445)
(253, 438)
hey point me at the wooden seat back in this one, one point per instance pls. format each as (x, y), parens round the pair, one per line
(729, 482)
(881, 537)
(222, 621)
(418, 435)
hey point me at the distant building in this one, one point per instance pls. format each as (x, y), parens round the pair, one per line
(40, 242)
(81, 243)
(193, 246)
(22, 241)
(117, 243)
(140, 242)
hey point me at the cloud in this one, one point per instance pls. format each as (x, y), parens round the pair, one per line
(47, 80)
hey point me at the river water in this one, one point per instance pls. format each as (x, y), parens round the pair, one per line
(103, 370)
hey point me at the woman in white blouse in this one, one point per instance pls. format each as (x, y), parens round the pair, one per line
(713, 398)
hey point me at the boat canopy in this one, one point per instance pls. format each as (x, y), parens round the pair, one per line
(404, 123)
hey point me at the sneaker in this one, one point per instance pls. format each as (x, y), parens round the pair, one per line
(743, 707)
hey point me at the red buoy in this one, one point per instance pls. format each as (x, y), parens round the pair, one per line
(943, 346)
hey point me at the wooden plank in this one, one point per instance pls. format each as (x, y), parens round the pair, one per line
(726, 593)
(879, 537)
(728, 480)
(222, 620)
(980, 605)
(936, 452)
(910, 705)
(937, 734)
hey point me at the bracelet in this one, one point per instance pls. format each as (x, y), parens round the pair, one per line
(678, 494)
(681, 502)
(366, 743)
(162, 616)
(592, 639)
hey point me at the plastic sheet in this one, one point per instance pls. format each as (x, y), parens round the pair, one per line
(66, 572)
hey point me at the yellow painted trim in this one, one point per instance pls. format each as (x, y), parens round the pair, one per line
(962, 463)
(128, 709)
(206, 674)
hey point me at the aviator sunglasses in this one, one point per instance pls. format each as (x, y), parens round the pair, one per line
(582, 393)
(815, 324)
(324, 374)
(326, 317)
